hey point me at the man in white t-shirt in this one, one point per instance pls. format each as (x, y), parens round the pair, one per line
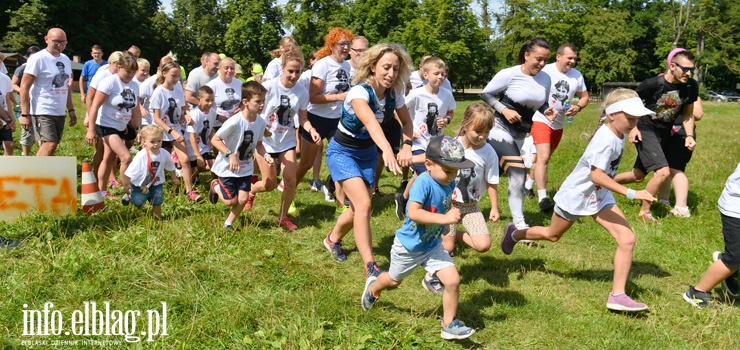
(566, 82)
(45, 93)
(199, 78)
(356, 49)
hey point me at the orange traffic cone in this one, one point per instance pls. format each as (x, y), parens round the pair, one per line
(91, 201)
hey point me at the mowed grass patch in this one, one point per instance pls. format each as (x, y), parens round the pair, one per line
(264, 287)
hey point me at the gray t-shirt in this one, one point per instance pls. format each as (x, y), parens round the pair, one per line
(198, 78)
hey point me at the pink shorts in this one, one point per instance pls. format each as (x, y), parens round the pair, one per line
(543, 133)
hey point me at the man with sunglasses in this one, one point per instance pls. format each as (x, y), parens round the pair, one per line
(670, 96)
(45, 94)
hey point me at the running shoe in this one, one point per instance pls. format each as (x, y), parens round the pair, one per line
(507, 241)
(212, 192)
(328, 195)
(335, 248)
(400, 205)
(285, 222)
(622, 302)
(193, 196)
(250, 202)
(281, 186)
(432, 283)
(731, 284)
(373, 270)
(315, 185)
(546, 205)
(698, 298)
(368, 300)
(456, 330)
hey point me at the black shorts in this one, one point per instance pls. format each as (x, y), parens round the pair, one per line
(230, 186)
(208, 155)
(650, 150)
(103, 131)
(6, 134)
(393, 134)
(679, 155)
(130, 133)
(731, 233)
(326, 127)
(275, 155)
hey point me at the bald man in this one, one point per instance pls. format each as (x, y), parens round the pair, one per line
(200, 78)
(45, 93)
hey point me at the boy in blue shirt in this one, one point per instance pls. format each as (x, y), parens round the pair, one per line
(419, 242)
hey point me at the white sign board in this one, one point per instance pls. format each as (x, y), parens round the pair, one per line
(30, 184)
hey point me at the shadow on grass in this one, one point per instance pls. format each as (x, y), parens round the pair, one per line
(496, 271)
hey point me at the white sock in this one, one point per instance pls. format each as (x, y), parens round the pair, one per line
(530, 182)
(541, 194)
(227, 223)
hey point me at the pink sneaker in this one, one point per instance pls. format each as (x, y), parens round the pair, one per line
(175, 158)
(250, 202)
(285, 222)
(114, 183)
(622, 302)
(193, 196)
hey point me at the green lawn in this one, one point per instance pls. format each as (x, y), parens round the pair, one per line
(264, 287)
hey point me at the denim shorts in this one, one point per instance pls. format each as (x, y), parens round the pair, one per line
(155, 195)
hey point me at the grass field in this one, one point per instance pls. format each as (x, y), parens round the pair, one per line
(264, 287)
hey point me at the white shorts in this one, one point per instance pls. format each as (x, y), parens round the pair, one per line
(403, 262)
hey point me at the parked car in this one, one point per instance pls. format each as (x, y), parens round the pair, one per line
(724, 96)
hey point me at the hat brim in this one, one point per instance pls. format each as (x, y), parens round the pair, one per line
(465, 164)
(632, 106)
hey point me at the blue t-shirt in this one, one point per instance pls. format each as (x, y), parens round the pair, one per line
(434, 198)
(89, 69)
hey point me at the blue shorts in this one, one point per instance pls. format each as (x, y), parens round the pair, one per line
(326, 127)
(419, 168)
(154, 196)
(230, 186)
(345, 162)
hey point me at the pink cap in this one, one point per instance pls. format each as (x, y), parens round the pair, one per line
(673, 53)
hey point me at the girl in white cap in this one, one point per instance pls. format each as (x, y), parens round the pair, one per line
(588, 192)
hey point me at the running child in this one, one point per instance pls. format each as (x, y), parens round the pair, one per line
(144, 177)
(431, 109)
(471, 186)
(418, 242)
(199, 133)
(725, 266)
(588, 192)
(285, 103)
(236, 142)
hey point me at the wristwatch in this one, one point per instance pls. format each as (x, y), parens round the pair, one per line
(228, 153)
(408, 142)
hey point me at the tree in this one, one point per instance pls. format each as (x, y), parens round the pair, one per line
(381, 20)
(195, 26)
(607, 47)
(24, 29)
(310, 20)
(254, 29)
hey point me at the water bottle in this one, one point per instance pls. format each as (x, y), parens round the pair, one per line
(17, 111)
(567, 106)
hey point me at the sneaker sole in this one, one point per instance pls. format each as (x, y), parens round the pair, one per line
(690, 300)
(450, 336)
(368, 283)
(617, 307)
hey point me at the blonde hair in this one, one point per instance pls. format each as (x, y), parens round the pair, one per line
(615, 96)
(287, 43)
(292, 55)
(151, 130)
(433, 62)
(477, 116)
(364, 73)
(143, 62)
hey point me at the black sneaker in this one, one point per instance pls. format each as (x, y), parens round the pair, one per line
(400, 205)
(529, 192)
(698, 298)
(376, 192)
(402, 186)
(546, 205)
(731, 284)
(126, 199)
(10, 244)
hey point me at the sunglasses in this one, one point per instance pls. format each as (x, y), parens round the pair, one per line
(344, 43)
(685, 69)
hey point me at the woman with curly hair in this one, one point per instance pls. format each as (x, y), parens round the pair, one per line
(328, 88)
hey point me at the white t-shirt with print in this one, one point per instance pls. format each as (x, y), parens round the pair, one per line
(117, 109)
(145, 94)
(579, 195)
(227, 96)
(241, 137)
(169, 103)
(51, 86)
(422, 104)
(729, 200)
(274, 69)
(98, 77)
(280, 114)
(473, 183)
(562, 90)
(6, 87)
(336, 81)
(139, 173)
(202, 126)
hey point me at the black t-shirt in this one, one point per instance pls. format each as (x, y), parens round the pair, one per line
(666, 99)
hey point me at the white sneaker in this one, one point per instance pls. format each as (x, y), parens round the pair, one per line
(328, 196)
(681, 212)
